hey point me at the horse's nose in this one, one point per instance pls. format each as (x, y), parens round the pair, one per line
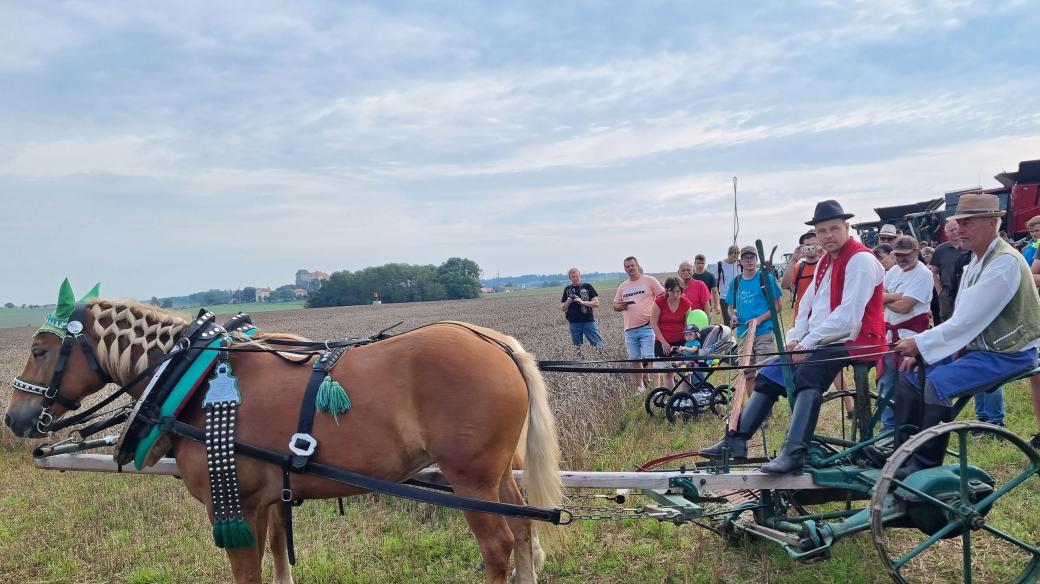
(8, 420)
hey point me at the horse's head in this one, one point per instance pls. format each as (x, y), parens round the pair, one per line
(57, 374)
(81, 348)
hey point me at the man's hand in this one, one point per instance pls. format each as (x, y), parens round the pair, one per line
(797, 255)
(620, 306)
(907, 349)
(798, 357)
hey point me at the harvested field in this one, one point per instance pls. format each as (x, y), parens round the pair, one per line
(67, 527)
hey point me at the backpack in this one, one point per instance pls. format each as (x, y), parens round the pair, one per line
(794, 286)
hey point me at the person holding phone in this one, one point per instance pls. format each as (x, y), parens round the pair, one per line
(577, 302)
(804, 260)
(635, 300)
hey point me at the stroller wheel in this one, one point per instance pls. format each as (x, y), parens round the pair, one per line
(682, 407)
(656, 401)
(720, 398)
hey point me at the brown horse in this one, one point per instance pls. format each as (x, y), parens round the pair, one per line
(440, 394)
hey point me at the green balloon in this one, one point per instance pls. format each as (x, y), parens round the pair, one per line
(697, 317)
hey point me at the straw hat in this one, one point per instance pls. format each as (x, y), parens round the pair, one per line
(977, 205)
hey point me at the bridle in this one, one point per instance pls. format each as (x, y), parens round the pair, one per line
(73, 335)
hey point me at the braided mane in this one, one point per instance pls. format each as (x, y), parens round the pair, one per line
(125, 328)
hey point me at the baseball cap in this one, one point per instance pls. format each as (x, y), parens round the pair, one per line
(691, 328)
(904, 244)
(748, 249)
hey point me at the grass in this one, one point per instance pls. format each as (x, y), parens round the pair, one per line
(82, 527)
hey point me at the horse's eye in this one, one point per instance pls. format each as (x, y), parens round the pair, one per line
(37, 353)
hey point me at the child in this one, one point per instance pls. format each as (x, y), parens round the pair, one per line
(691, 347)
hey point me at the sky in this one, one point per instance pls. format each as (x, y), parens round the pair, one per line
(166, 148)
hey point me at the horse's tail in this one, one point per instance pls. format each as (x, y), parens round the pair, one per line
(540, 454)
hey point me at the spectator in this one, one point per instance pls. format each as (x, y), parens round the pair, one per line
(907, 298)
(948, 263)
(694, 290)
(932, 225)
(1029, 251)
(702, 274)
(804, 259)
(668, 317)
(926, 254)
(747, 301)
(726, 271)
(578, 300)
(635, 300)
(883, 252)
(888, 233)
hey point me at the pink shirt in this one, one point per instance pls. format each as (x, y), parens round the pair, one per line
(643, 292)
(698, 295)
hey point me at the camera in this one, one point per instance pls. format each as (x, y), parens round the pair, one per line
(575, 298)
(810, 248)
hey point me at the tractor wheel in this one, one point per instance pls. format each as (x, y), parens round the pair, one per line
(956, 522)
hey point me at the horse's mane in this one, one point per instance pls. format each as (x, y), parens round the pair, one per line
(123, 326)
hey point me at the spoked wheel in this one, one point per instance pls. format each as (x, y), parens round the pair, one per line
(720, 398)
(656, 401)
(682, 407)
(960, 518)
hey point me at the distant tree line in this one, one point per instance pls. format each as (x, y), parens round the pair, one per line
(454, 279)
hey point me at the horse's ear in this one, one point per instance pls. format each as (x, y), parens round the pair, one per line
(94, 293)
(66, 301)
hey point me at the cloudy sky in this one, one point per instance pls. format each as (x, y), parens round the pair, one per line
(165, 148)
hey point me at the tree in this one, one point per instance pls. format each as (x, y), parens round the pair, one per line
(248, 294)
(460, 277)
(166, 303)
(9, 305)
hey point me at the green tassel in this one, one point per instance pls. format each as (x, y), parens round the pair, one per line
(332, 398)
(233, 533)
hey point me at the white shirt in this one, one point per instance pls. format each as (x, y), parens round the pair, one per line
(817, 324)
(978, 302)
(914, 283)
(728, 273)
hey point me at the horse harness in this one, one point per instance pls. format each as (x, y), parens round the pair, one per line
(177, 374)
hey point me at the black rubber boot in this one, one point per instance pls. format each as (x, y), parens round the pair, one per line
(907, 410)
(759, 405)
(803, 423)
(931, 453)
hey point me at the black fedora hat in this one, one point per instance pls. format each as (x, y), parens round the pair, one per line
(827, 210)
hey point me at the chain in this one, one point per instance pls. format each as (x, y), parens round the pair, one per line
(593, 513)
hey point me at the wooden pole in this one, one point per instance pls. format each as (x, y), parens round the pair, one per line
(738, 385)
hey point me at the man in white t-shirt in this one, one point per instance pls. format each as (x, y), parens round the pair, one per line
(908, 298)
(635, 300)
(726, 271)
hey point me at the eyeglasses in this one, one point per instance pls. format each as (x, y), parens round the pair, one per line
(749, 259)
(887, 238)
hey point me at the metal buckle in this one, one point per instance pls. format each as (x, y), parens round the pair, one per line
(51, 392)
(45, 419)
(309, 440)
(286, 495)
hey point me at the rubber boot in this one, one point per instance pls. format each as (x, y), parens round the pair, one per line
(803, 423)
(931, 453)
(907, 411)
(759, 405)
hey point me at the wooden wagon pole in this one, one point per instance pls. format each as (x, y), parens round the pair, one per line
(738, 385)
(774, 315)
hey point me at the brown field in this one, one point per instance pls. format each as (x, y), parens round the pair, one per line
(79, 527)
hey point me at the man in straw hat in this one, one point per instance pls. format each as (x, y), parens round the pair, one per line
(840, 318)
(996, 323)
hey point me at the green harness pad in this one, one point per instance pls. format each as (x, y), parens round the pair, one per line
(178, 398)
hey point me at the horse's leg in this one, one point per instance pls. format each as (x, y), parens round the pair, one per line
(261, 535)
(246, 565)
(279, 545)
(523, 543)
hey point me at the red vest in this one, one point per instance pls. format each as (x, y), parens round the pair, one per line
(871, 338)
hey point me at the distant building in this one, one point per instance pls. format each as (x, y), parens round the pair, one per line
(486, 290)
(310, 280)
(299, 293)
(263, 294)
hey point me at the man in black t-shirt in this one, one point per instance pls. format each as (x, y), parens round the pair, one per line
(948, 262)
(577, 303)
(700, 273)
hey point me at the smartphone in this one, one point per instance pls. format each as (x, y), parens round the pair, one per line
(630, 302)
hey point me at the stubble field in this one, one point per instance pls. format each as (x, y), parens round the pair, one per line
(81, 527)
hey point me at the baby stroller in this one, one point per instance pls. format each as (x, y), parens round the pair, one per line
(692, 392)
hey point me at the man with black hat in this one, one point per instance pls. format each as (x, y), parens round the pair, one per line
(840, 318)
(995, 330)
